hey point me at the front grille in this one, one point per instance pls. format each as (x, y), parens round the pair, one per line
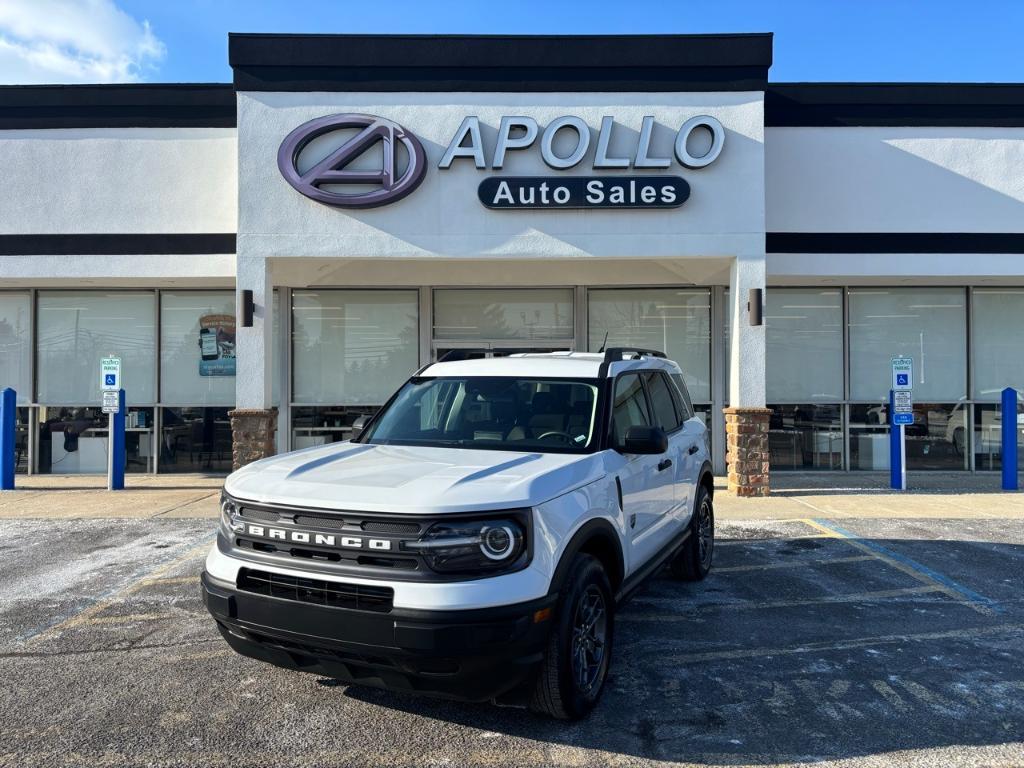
(334, 594)
(262, 515)
(376, 526)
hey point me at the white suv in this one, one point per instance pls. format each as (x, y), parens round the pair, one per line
(474, 540)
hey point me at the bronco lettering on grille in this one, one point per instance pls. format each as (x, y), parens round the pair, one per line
(321, 539)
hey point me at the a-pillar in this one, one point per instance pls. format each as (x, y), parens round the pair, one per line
(254, 419)
(746, 418)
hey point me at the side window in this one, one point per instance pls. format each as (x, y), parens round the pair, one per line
(681, 392)
(630, 406)
(660, 392)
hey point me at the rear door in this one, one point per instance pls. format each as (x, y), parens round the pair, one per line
(668, 416)
(647, 492)
(693, 440)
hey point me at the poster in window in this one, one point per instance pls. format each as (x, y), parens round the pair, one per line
(217, 345)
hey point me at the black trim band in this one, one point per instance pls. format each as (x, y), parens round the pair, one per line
(108, 245)
(894, 104)
(504, 63)
(894, 242)
(162, 105)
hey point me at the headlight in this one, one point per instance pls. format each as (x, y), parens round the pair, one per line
(229, 514)
(472, 546)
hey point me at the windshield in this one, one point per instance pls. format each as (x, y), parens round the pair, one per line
(498, 413)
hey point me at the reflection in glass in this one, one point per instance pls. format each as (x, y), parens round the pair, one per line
(313, 426)
(352, 347)
(936, 439)
(806, 437)
(675, 321)
(78, 328)
(191, 374)
(497, 314)
(74, 440)
(195, 440)
(804, 344)
(988, 437)
(997, 318)
(15, 344)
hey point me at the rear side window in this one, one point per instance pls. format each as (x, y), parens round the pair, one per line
(630, 406)
(683, 395)
(660, 392)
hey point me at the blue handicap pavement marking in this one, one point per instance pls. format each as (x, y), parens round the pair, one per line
(968, 594)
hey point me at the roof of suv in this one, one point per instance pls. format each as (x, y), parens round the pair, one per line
(577, 365)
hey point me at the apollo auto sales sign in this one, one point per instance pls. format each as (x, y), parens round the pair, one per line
(640, 178)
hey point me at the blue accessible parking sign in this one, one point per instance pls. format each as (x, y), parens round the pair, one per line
(110, 379)
(902, 379)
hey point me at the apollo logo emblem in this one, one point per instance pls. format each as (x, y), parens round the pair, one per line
(321, 181)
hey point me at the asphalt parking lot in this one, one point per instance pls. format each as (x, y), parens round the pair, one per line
(864, 642)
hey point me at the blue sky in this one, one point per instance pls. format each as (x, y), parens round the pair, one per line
(186, 40)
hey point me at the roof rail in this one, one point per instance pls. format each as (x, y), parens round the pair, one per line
(453, 355)
(618, 354)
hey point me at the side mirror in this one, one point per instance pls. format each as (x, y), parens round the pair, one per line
(360, 424)
(644, 440)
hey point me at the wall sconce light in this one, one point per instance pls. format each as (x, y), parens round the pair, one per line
(247, 309)
(755, 306)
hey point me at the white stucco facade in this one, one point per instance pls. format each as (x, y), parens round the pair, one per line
(813, 194)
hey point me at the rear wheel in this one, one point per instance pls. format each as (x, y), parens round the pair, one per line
(579, 650)
(694, 560)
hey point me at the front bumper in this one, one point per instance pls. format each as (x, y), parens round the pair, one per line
(474, 655)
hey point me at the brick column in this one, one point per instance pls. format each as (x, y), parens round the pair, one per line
(252, 435)
(746, 456)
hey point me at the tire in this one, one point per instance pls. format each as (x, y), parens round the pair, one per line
(562, 690)
(694, 560)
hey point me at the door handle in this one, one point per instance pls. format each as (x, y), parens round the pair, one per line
(693, 449)
(664, 464)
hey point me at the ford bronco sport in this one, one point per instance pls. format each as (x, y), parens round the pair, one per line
(474, 540)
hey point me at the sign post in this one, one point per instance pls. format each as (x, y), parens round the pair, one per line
(901, 413)
(113, 406)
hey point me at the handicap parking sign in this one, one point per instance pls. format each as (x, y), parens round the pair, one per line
(110, 379)
(902, 379)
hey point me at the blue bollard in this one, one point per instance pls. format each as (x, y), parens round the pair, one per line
(1009, 437)
(117, 446)
(8, 404)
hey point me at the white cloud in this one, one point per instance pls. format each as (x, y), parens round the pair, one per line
(74, 41)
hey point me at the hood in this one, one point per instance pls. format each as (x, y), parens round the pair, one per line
(397, 479)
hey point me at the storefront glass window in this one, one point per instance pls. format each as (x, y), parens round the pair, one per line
(804, 341)
(16, 344)
(195, 440)
(998, 341)
(74, 440)
(541, 314)
(935, 441)
(78, 328)
(675, 321)
(806, 437)
(197, 347)
(313, 425)
(352, 347)
(926, 324)
(988, 436)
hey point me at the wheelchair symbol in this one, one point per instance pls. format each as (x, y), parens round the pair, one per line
(110, 379)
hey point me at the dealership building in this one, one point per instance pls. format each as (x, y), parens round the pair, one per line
(272, 258)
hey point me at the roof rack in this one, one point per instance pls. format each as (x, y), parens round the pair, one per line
(453, 355)
(618, 354)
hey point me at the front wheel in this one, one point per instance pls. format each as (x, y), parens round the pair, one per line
(579, 650)
(694, 560)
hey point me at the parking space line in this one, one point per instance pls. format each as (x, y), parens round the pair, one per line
(129, 618)
(779, 539)
(855, 597)
(148, 582)
(141, 581)
(912, 568)
(840, 645)
(793, 564)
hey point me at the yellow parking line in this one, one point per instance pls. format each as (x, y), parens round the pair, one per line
(914, 573)
(854, 597)
(89, 613)
(129, 618)
(839, 645)
(793, 564)
(170, 580)
(780, 540)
